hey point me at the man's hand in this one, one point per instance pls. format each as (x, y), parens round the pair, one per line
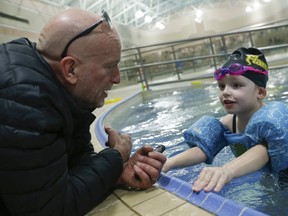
(142, 169)
(120, 141)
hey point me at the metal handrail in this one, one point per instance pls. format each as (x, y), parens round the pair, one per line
(141, 67)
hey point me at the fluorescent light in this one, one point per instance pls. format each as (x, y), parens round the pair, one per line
(159, 25)
(248, 9)
(139, 14)
(198, 19)
(199, 13)
(148, 19)
(256, 4)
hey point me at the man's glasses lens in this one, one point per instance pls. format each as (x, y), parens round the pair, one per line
(107, 18)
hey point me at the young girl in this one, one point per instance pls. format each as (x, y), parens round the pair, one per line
(256, 132)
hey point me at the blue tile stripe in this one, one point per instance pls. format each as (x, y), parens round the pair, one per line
(207, 200)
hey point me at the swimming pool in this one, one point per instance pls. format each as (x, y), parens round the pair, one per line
(160, 117)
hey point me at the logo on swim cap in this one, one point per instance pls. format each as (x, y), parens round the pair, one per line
(253, 59)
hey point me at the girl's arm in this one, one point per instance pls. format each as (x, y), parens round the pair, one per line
(216, 177)
(189, 157)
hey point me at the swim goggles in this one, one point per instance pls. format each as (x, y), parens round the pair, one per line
(236, 69)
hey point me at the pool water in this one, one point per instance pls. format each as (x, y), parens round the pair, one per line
(160, 117)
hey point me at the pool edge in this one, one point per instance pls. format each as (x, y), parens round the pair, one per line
(209, 201)
(99, 130)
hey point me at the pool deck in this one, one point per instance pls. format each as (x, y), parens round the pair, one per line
(153, 201)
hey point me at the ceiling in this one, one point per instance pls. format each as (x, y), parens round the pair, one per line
(123, 11)
(25, 18)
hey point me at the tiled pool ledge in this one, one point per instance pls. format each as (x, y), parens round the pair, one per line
(211, 202)
(207, 200)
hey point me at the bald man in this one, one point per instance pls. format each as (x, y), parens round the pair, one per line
(47, 93)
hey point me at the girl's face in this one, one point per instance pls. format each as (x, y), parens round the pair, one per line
(239, 95)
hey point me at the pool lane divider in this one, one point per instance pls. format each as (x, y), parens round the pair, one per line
(113, 100)
(210, 201)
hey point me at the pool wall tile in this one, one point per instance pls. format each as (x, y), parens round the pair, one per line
(212, 203)
(206, 200)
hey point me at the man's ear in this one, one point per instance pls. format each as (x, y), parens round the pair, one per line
(68, 65)
(261, 92)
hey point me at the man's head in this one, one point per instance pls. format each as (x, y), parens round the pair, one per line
(83, 50)
(250, 63)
